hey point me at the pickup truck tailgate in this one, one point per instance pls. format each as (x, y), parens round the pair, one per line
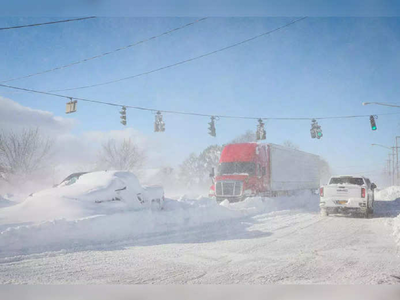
(342, 191)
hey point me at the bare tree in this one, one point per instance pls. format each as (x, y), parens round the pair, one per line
(23, 153)
(195, 170)
(247, 137)
(124, 155)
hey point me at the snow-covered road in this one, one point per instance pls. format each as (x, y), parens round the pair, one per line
(284, 246)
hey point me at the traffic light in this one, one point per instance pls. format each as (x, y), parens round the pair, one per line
(211, 129)
(319, 132)
(261, 134)
(315, 131)
(123, 115)
(373, 124)
(159, 125)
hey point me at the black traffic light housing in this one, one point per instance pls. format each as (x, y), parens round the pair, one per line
(123, 115)
(211, 129)
(261, 134)
(315, 131)
(373, 124)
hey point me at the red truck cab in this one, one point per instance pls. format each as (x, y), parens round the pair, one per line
(241, 172)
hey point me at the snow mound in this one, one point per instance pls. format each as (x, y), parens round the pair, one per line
(388, 194)
(110, 228)
(103, 192)
(396, 229)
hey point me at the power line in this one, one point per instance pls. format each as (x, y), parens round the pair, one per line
(183, 61)
(183, 112)
(105, 53)
(46, 23)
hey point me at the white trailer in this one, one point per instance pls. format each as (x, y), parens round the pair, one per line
(291, 169)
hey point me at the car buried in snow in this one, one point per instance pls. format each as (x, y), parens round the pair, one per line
(106, 186)
(348, 194)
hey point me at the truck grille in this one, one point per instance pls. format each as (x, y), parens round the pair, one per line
(229, 188)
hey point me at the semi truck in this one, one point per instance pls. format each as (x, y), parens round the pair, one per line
(256, 169)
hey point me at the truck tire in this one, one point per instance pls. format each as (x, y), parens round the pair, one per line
(324, 213)
(367, 214)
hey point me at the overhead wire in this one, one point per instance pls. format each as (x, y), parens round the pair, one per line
(46, 23)
(183, 112)
(104, 53)
(183, 61)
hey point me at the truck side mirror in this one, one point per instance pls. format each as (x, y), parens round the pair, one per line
(212, 174)
(373, 186)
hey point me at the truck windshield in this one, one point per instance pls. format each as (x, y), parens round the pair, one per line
(347, 180)
(227, 168)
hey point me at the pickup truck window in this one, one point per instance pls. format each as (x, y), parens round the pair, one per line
(346, 180)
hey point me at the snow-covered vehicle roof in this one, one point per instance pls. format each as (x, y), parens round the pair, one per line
(99, 192)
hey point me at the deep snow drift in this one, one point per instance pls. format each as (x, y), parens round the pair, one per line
(81, 196)
(392, 193)
(110, 226)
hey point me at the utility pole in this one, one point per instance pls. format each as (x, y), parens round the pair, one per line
(397, 160)
(393, 166)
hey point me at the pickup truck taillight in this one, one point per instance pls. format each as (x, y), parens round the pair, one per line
(321, 192)
(362, 193)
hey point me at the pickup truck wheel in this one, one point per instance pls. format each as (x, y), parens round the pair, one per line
(367, 214)
(324, 213)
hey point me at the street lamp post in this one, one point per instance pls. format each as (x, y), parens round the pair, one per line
(397, 146)
(380, 103)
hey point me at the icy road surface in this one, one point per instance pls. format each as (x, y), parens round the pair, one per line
(285, 246)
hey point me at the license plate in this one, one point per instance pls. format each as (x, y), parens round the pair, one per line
(342, 202)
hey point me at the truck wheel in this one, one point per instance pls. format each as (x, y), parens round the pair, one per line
(324, 213)
(367, 214)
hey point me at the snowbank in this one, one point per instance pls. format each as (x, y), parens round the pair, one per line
(391, 193)
(96, 230)
(388, 194)
(396, 229)
(91, 194)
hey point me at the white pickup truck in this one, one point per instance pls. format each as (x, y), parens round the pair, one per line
(347, 194)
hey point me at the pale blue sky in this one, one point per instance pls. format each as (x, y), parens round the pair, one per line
(317, 67)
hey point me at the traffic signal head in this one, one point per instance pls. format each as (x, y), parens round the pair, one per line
(211, 128)
(313, 131)
(373, 124)
(261, 134)
(123, 115)
(318, 130)
(159, 125)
